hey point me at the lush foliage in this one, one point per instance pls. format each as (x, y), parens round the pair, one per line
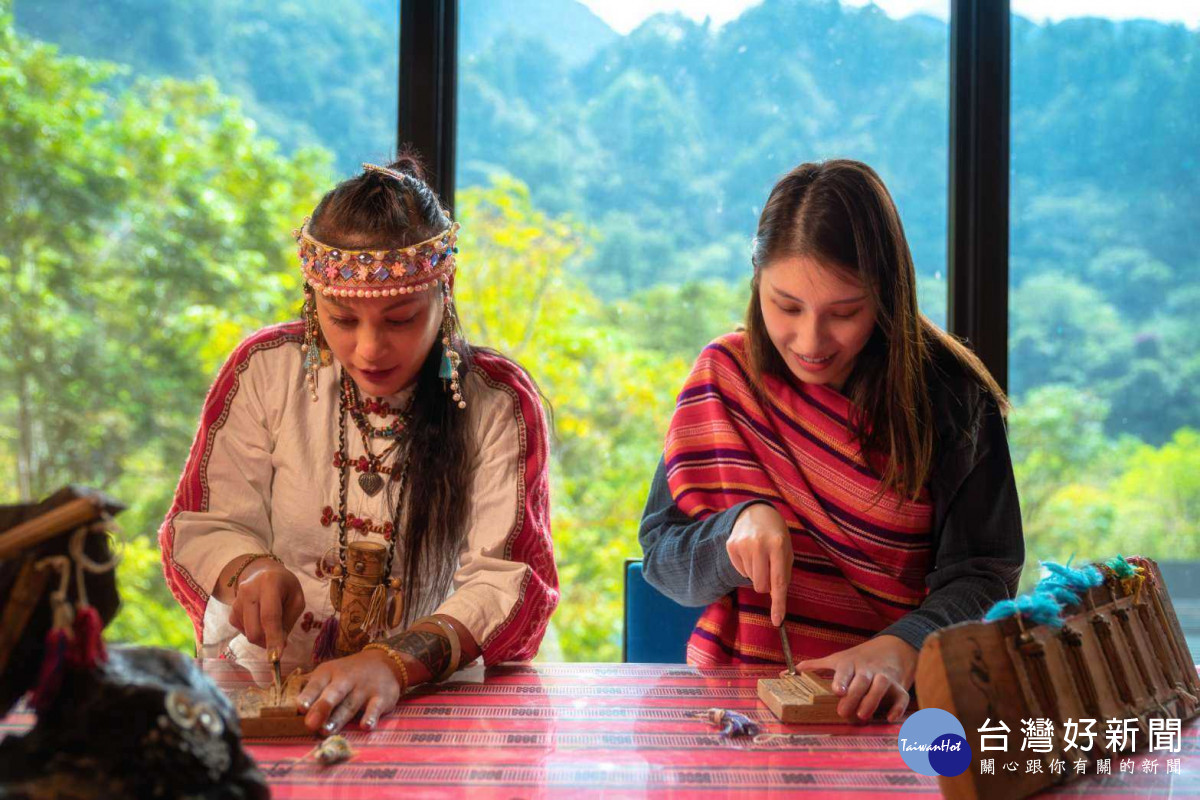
(141, 239)
(608, 189)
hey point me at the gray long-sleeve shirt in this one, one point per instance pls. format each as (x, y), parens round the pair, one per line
(977, 539)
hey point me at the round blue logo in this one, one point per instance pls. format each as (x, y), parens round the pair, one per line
(933, 742)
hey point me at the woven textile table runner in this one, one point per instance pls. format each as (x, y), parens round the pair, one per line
(617, 730)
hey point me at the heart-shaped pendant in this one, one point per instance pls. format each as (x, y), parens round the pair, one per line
(371, 482)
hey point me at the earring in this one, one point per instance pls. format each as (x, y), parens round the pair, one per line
(311, 347)
(450, 357)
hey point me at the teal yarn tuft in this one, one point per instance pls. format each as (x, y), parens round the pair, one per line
(1080, 579)
(1121, 567)
(1069, 585)
(1039, 607)
(1065, 595)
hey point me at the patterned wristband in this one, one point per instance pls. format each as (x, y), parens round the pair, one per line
(455, 645)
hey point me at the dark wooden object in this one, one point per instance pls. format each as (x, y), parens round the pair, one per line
(1120, 654)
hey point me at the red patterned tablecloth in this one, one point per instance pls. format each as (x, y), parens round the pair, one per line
(615, 730)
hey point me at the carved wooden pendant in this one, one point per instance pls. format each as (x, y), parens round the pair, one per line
(364, 571)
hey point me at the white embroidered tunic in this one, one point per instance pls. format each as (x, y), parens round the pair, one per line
(261, 474)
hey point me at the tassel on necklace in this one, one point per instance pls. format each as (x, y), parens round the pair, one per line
(325, 647)
(376, 611)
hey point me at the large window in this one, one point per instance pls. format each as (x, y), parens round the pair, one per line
(610, 174)
(1105, 286)
(611, 167)
(153, 158)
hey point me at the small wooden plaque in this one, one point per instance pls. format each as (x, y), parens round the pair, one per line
(265, 712)
(803, 697)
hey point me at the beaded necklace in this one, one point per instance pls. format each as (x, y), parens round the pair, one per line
(370, 466)
(358, 411)
(347, 405)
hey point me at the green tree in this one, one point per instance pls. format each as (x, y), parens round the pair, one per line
(1056, 436)
(1062, 331)
(1158, 498)
(612, 397)
(143, 234)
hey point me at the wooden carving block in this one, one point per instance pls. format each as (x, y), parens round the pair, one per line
(803, 697)
(265, 712)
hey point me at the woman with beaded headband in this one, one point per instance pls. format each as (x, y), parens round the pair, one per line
(367, 490)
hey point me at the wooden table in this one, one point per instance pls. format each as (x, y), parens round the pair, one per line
(616, 730)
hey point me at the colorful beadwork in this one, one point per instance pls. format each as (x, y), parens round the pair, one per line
(342, 517)
(359, 410)
(376, 273)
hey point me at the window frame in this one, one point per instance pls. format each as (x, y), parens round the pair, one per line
(977, 231)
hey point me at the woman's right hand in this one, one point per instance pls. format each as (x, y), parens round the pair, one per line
(267, 602)
(760, 548)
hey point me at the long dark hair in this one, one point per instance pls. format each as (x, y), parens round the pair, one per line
(375, 211)
(840, 212)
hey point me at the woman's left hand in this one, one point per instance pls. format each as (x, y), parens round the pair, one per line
(880, 670)
(337, 690)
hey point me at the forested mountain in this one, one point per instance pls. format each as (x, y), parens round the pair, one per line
(665, 141)
(609, 187)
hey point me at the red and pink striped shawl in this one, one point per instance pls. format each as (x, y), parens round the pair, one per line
(520, 635)
(859, 565)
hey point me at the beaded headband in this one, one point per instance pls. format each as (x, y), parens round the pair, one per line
(376, 273)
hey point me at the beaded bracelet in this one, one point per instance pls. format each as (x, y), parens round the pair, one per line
(455, 644)
(396, 658)
(233, 581)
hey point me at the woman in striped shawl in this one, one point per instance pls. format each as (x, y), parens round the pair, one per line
(839, 467)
